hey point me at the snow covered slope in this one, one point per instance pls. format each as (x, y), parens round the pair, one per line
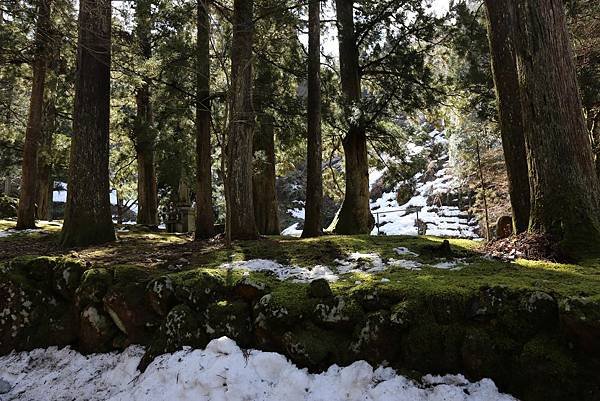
(221, 372)
(438, 199)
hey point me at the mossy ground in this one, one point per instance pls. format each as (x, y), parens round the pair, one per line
(491, 318)
(157, 252)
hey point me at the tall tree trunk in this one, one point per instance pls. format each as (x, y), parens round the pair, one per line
(263, 181)
(504, 66)
(354, 217)
(241, 222)
(144, 134)
(205, 220)
(88, 217)
(564, 184)
(313, 223)
(44, 174)
(27, 197)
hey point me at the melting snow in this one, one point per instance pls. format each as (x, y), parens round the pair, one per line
(356, 262)
(220, 372)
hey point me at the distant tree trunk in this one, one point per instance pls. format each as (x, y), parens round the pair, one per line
(263, 183)
(144, 134)
(88, 217)
(564, 184)
(263, 180)
(241, 222)
(205, 221)
(44, 178)
(504, 65)
(313, 224)
(27, 198)
(354, 217)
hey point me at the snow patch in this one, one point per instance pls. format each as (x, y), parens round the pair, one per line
(220, 372)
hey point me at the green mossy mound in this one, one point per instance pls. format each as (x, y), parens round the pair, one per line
(533, 328)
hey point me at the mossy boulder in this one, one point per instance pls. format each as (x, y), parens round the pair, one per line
(93, 287)
(31, 314)
(198, 288)
(320, 289)
(126, 304)
(231, 319)
(66, 277)
(96, 331)
(580, 320)
(315, 347)
(182, 327)
(338, 312)
(547, 371)
(252, 288)
(161, 295)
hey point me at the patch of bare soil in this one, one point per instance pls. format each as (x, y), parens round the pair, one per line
(143, 250)
(530, 246)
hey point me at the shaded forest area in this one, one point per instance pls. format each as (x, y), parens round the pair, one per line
(172, 104)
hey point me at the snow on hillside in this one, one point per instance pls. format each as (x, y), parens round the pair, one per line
(435, 200)
(220, 372)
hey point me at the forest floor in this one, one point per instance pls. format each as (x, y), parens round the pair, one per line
(449, 308)
(346, 261)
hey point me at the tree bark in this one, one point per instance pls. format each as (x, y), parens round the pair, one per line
(44, 175)
(504, 66)
(88, 217)
(27, 197)
(354, 217)
(205, 220)
(313, 223)
(145, 137)
(563, 180)
(241, 222)
(263, 181)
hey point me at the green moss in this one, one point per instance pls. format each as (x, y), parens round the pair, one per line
(94, 284)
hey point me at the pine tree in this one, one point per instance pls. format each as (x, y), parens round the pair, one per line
(564, 185)
(504, 66)
(204, 204)
(354, 217)
(313, 224)
(241, 223)
(88, 217)
(144, 134)
(27, 199)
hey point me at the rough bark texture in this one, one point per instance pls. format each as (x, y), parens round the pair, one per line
(144, 134)
(205, 221)
(263, 179)
(504, 66)
(27, 197)
(354, 216)
(88, 217)
(313, 224)
(240, 219)
(44, 173)
(564, 185)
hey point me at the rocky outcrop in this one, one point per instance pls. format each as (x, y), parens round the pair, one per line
(531, 343)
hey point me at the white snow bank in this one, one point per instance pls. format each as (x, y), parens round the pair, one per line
(222, 372)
